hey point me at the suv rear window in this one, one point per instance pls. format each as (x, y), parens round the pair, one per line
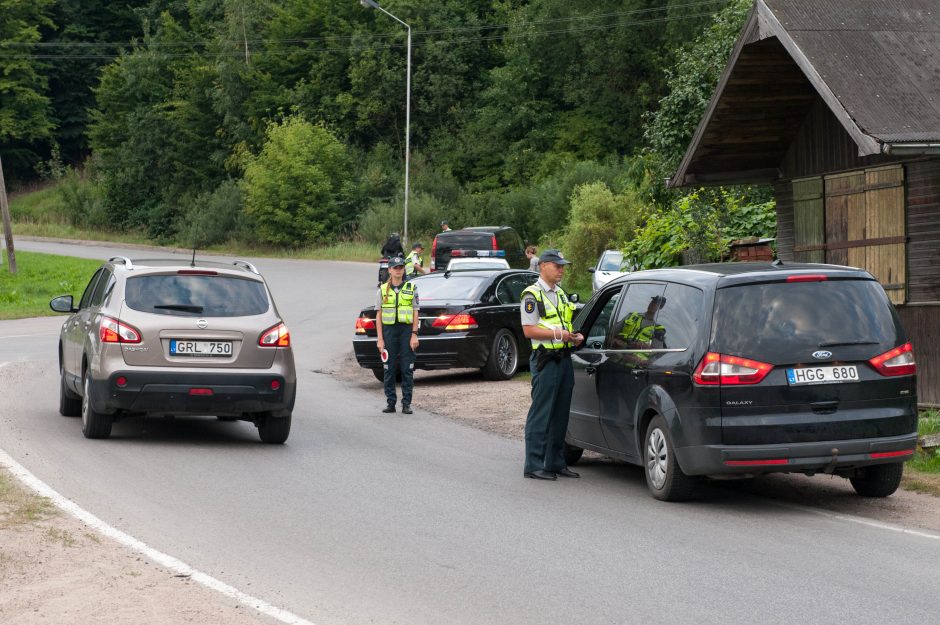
(466, 241)
(780, 321)
(196, 296)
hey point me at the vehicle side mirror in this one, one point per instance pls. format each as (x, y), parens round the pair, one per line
(63, 304)
(591, 270)
(575, 298)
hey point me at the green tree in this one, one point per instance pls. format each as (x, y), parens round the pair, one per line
(295, 187)
(599, 220)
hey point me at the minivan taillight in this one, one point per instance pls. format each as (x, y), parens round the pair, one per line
(363, 324)
(728, 370)
(898, 361)
(278, 336)
(113, 331)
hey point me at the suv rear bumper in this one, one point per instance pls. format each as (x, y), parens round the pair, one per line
(815, 457)
(222, 394)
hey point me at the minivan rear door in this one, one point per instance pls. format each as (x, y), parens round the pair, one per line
(818, 334)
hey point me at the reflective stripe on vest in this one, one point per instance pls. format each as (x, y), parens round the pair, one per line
(401, 303)
(552, 317)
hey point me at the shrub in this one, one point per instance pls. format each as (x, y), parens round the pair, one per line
(599, 220)
(82, 200)
(215, 217)
(424, 215)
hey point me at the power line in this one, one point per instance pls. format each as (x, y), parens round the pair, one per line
(361, 48)
(334, 38)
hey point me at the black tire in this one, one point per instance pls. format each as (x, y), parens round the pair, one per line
(379, 374)
(664, 477)
(572, 454)
(274, 430)
(94, 424)
(70, 402)
(879, 480)
(503, 362)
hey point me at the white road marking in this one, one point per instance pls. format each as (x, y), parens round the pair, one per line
(24, 336)
(859, 520)
(175, 565)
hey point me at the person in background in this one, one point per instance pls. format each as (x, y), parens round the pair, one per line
(396, 309)
(413, 264)
(546, 321)
(392, 246)
(532, 254)
(445, 227)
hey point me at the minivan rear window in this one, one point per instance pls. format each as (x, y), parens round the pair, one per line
(780, 320)
(196, 296)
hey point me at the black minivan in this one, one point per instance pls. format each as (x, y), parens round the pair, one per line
(479, 242)
(745, 368)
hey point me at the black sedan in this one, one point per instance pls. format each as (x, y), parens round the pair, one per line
(468, 319)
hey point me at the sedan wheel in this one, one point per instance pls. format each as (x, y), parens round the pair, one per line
(503, 361)
(664, 477)
(94, 424)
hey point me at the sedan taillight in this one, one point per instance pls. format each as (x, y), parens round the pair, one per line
(898, 361)
(277, 336)
(723, 369)
(113, 331)
(363, 324)
(455, 323)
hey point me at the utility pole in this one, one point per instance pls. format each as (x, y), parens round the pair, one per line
(7, 230)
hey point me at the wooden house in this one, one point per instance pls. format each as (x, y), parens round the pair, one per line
(837, 105)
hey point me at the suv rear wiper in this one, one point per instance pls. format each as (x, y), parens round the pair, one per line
(182, 307)
(840, 344)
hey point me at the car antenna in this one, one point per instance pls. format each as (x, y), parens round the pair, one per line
(193, 263)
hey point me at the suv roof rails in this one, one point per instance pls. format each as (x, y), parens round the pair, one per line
(124, 259)
(246, 265)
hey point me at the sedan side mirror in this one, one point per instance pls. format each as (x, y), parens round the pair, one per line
(575, 298)
(591, 270)
(63, 304)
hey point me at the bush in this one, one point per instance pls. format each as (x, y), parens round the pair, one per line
(424, 216)
(599, 220)
(82, 200)
(215, 217)
(295, 188)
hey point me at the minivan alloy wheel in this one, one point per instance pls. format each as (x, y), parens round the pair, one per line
(657, 457)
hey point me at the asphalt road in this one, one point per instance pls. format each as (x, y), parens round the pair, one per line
(369, 518)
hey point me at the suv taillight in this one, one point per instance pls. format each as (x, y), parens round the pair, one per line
(433, 253)
(455, 323)
(363, 324)
(722, 369)
(898, 361)
(113, 331)
(495, 246)
(277, 336)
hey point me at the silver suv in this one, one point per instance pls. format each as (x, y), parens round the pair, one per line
(158, 338)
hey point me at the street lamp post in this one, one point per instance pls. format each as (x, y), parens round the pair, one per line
(371, 4)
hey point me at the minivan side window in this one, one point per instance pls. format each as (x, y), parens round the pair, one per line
(595, 334)
(89, 290)
(635, 327)
(679, 315)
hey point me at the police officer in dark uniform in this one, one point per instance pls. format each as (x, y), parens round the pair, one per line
(397, 321)
(546, 320)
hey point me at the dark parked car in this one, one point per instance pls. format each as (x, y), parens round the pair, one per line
(478, 242)
(468, 319)
(746, 368)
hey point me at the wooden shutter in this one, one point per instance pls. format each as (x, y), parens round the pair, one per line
(809, 228)
(886, 256)
(845, 216)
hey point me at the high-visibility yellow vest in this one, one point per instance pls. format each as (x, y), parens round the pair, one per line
(410, 262)
(633, 330)
(555, 318)
(397, 307)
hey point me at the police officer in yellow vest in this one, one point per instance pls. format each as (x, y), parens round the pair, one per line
(397, 308)
(639, 330)
(413, 264)
(546, 321)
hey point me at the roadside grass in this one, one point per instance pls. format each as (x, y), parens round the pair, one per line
(56, 230)
(19, 506)
(39, 278)
(922, 472)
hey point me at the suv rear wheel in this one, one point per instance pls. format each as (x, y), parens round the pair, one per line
(94, 424)
(880, 480)
(664, 478)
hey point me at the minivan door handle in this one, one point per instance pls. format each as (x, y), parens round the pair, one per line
(824, 407)
(638, 372)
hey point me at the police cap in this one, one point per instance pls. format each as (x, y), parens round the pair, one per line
(553, 256)
(396, 261)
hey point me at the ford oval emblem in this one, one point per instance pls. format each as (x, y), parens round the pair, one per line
(822, 355)
(202, 324)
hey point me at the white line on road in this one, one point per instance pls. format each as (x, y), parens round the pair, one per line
(159, 557)
(859, 520)
(25, 336)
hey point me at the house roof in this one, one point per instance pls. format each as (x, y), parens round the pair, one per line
(875, 64)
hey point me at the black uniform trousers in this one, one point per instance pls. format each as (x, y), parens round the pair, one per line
(401, 357)
(547, 423)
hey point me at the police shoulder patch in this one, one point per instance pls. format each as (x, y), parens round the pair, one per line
(529, 305)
